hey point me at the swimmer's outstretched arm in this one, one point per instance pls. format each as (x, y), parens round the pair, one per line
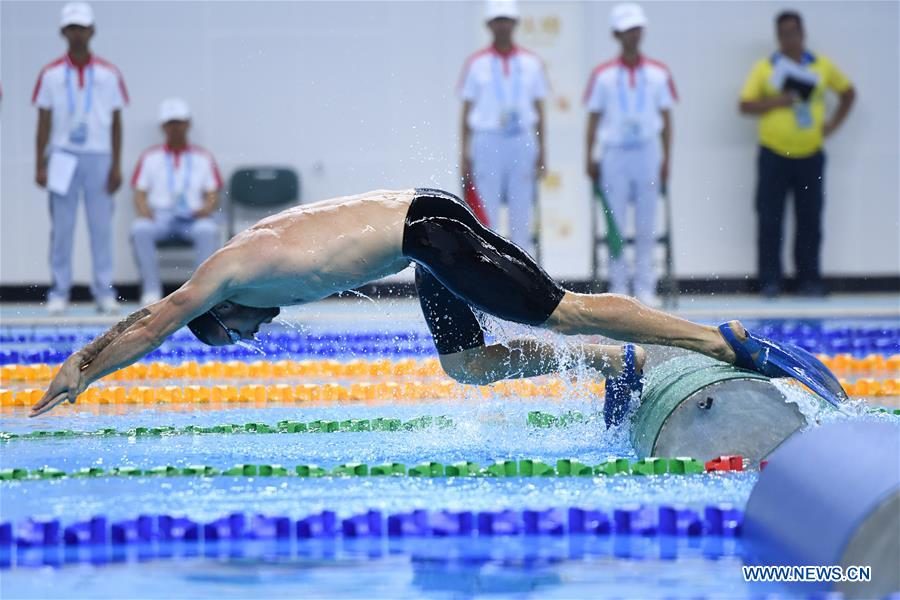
(521, 358)
(129, 340)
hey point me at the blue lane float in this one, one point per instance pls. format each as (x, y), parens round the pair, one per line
(720, 521)
(422, 551)
(47, 349)
(831, 497)
(26, 346)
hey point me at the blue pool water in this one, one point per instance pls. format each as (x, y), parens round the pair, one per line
(486, 430)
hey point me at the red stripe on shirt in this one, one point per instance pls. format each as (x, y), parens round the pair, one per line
(596, 73)
(80, 67)
(218, 175)
(40, 79)
(124, 90)
(543, 64)
(140, 164)
(119, 78)
(671, 81)
(505, 57)
(212, 162)
(468, 64)
(672, 88)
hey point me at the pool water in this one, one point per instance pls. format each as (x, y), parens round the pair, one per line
(484, 430)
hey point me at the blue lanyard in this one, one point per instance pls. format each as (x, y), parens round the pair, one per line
(88, 90)
(499, 91)
(640, 92)
(807, 59)
(170, 173)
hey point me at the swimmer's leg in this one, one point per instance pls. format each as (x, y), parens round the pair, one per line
(521, 358)
(496, 276)
(499, 278)
(624, 318)
(465, 357)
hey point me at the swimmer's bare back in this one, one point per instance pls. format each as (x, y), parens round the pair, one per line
(310, 252)
(299, 255)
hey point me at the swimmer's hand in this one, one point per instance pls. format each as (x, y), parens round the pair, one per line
(67, 385)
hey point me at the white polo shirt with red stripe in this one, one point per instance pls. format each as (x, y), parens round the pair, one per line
(107, 94)
(196, 164)
(630, 98)
(522, 81)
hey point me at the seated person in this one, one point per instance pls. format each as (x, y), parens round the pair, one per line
(176, 189)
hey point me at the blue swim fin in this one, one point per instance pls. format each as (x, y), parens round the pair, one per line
(780, 359)
(620, 388)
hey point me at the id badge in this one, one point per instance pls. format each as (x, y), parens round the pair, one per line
(631, 133)
(78, 133)
(182, 210)
(511, 123)
(803, 115)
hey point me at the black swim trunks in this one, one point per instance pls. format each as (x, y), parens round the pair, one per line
(460, 263)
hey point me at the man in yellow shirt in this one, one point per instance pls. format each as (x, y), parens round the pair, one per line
(787, 91)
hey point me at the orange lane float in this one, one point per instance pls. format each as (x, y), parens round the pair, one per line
(354, 369)
(846, 363)
(258, 370)
(404, 380)
(365, 392)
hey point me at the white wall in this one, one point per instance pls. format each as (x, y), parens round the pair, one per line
(360, 96)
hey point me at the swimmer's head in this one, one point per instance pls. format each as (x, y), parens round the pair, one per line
(229, 322)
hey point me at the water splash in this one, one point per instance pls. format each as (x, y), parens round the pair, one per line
(816, 411)
(297, 327)
(252, 347)
(360, 295)
(569, 351)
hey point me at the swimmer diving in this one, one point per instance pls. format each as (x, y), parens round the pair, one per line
(307, 253)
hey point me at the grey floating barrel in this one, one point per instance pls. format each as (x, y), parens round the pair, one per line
(699, 407)
(831, 496)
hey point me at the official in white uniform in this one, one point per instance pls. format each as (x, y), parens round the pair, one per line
(79, 137)
(503, 88)
(629, 123)
(176, 191)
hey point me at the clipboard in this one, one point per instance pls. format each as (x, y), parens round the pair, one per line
(60, 171)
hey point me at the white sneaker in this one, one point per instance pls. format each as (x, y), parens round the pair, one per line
(57, 306)
(150, 298)
(108, 305)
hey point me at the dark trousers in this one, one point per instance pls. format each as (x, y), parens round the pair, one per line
(804, 178)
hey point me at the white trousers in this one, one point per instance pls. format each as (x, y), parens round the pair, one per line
(145, 233)
(90, 179)
(504, 169)
(630, 175)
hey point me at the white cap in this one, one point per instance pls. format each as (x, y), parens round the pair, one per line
(174, 109)
(76, 13)
(494, 9)
(627, 16)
